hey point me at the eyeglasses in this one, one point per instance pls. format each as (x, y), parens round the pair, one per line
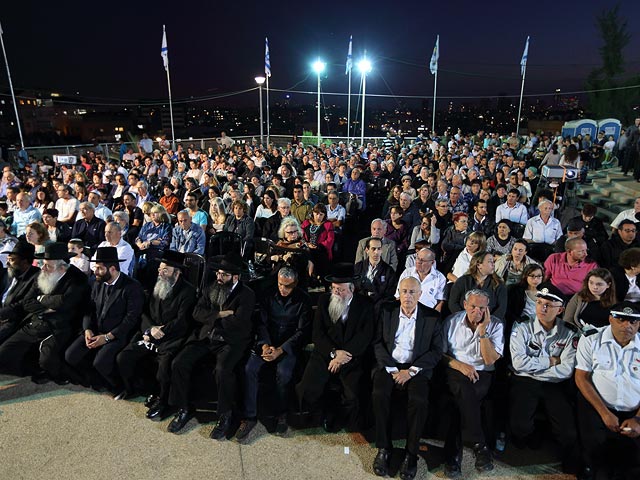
(629, 230)
(535, 276)
(291, 232)
(223, 274)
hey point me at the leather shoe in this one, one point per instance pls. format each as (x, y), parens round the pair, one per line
(180, 420)
(245, 429)
(123, 395)
(41, 377)
(151, 400)
(219, 432)
(281, 426)
(381, 462)
(484, 463)
(409, 467)
(157, 412)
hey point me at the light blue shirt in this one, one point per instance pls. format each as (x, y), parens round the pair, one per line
(22, 218)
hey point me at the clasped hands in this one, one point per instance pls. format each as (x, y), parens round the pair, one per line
(271, 353)
(342, 357)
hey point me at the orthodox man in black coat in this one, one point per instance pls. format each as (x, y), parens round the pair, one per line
(409, 345)
(166, 319)
(114, 313)
(343, 330)
(53, 311)
(223, 329)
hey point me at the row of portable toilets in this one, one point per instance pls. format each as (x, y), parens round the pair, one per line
(610, 126)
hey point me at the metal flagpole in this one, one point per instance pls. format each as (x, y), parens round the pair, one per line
(523, 72)
(267, 72)
(261, 120)
(318, 109)
(364, 97)
(433, 67)
(165, 56)
(13, 95)
(349, 68)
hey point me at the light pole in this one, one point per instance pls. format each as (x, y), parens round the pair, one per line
(365, 67)
(318, 67)
(260, 81)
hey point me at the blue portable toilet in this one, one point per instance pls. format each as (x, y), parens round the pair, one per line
(610, 126)
(580, 127)
(569, 129)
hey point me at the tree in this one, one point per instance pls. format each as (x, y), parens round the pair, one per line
(609, 102)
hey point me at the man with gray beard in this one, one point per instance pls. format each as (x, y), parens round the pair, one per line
(343, 329)
(22, 275)
(166, 319)
(53, 309)
(114, 312)
(223, 330)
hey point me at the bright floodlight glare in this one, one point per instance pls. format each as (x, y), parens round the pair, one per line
(318, 66)
(260, 80)
(364, 65)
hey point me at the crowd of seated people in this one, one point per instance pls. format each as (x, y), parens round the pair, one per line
(465, 289)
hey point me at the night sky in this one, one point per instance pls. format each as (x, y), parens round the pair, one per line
(112, 51)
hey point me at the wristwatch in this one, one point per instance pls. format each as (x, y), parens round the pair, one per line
(332, 355)
(106, 338)
(412, 373)
(486, 335)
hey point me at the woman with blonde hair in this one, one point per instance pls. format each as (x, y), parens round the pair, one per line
(217, 214)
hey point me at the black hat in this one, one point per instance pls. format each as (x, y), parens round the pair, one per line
(23, 250)
(55, 251)
(626, 311)
(231, 263)
(107, 255)
(550, 292)
(342, 273)
(575, 225)
(173, 258)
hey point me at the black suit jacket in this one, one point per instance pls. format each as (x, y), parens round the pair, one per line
(383, 285)
(65, 306)
(621, 281)
(428, 340)
(12, 306)
(174, 314)
(354, 336)
(235, 330)
(119, 312)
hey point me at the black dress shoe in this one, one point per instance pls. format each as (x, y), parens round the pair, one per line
(409, 467)
(41, 377)
(245, 429)
(157, 412)
(151, 400)
(484, 462)
(281, 426)
(381, 462)
(180, 420)
(219, 432)
(123, 395)
(452, 469)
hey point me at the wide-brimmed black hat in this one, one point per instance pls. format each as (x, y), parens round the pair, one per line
(173, 258)
(231, 263)
(55, 251)
(23, 250)
(107, 255)
(342, 273)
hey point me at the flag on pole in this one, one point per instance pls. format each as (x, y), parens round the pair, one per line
(267, 60)
(433, 65)
(349, 56)
(164, 51)
(523, 61)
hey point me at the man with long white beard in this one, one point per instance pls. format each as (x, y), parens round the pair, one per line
(166, 319)
(224, 314)
(343, 329)
(53, 309)
(114, 312)
(23, 276)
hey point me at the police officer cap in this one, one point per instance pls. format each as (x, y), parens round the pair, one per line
(550, 292)
(626, 311)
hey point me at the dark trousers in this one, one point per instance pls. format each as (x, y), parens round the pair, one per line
(103, 358)
(226, 356)
(467, 426)
(526, 394)
(417, 402)
(129, 358)
(603, 449)
(33, 335)
(285, 366)
(315, 378)
(7, 329)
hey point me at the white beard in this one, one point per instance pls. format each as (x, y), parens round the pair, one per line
(337, 306)
(48, 281)
(162, 289)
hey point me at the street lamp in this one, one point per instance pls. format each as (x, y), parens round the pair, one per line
(260, 81)
(318, 67)
(364, 66)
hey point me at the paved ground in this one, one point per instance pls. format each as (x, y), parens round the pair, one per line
(51, 432)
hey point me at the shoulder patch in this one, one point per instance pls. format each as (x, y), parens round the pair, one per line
(575, 341)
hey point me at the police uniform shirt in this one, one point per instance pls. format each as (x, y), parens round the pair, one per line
(432, 287)
(464, 344)
(615, 369)
(532, 347)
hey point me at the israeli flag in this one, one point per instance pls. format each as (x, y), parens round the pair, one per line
(267, 60)
(349, 56)
(525, 54)
(433, 65)
(164, 51)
